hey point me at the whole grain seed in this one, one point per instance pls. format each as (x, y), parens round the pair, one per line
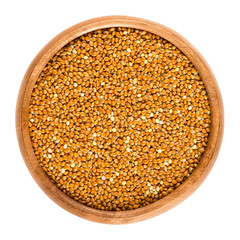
(119, 118)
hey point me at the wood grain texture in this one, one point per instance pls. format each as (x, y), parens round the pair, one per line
(162, 205)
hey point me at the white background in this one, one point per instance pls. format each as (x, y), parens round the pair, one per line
(212, 212)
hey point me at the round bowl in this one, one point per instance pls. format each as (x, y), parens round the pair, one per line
(162, 205)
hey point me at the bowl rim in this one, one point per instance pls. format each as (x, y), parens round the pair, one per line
(162, 205)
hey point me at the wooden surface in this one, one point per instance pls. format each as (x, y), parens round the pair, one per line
(162, 205)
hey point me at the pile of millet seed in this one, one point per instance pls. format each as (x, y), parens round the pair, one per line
(119, 118)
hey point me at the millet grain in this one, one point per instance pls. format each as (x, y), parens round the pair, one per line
(119, 118)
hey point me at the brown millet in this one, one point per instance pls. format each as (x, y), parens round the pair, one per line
(119, 118)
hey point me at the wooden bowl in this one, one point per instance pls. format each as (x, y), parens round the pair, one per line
(160, 206)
